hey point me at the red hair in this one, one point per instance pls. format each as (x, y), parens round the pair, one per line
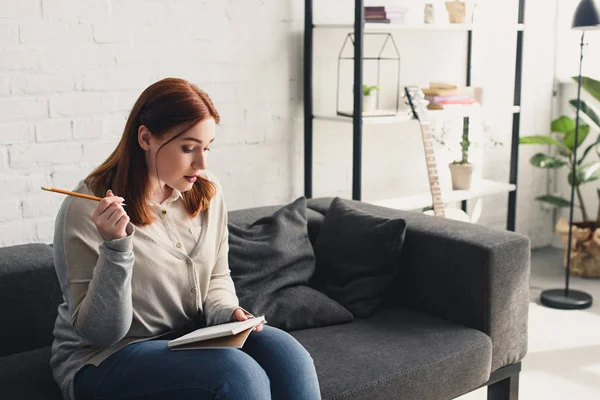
(167, 104)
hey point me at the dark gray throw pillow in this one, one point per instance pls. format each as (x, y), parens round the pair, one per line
(271, 262)
(358, 256)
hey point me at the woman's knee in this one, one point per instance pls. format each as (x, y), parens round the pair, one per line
(286, 345)
(243, 379)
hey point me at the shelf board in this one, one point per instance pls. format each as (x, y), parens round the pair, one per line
(374, 27)
(480, 188)
(450, 112)
(403, 117)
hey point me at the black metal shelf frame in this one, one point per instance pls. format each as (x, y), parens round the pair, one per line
(357, 105)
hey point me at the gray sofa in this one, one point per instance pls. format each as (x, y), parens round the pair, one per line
(454, 319)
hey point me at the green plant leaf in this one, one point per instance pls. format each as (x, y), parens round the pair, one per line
(539, 139)
(590, 172)
(588, 113)
(584, 130)
(592, 86)
(563, 124)
(368, 89)
(542, 160)
(586, 173)
(595, 146)
(554, 200)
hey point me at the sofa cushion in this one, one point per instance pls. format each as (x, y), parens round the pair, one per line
(27, 375)
(397, 353)
(29, 297)
(250, 215)
(358, 256)
(271, 261)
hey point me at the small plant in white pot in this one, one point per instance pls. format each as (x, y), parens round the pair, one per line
(461, 171)
(370, 97)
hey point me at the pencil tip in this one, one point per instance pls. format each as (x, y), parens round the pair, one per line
(45, 188)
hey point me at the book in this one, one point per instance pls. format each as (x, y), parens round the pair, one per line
(442, 85)
(227, 335)
(449, 99)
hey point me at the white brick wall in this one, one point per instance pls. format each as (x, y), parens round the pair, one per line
(70, 71)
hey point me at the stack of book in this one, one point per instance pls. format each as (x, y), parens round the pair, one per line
(386, 14)
(441, 94)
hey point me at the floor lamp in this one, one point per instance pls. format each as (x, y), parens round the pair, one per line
(587, 17)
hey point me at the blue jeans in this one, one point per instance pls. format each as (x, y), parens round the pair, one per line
(272, 364)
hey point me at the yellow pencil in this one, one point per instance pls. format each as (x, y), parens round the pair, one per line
(67, 192)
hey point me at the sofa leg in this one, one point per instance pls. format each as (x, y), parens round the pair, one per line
(506, 389)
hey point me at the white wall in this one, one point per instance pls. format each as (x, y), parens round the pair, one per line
(70, 70)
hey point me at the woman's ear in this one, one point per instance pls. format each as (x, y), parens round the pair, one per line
(144, 137)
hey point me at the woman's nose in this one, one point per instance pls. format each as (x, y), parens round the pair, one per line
(199, 162)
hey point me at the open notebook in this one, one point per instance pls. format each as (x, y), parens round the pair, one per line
(228, 335)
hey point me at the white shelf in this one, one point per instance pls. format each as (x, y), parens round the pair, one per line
(374, 27)
(394, 119)
(480, 188)
(405, 116)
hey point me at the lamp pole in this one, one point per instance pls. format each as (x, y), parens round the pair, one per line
(586, 17)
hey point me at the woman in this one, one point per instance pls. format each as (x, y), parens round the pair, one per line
(134, 276)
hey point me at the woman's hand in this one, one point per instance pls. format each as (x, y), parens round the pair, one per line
(239, 315)
(110, 217)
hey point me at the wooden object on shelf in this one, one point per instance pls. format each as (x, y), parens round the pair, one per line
(457, 11)
(442, 85)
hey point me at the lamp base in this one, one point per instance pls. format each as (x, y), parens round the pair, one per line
(575, 300)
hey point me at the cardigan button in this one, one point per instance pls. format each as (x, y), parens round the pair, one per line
(193, 289)
(164, 212)
(189, 261)
(178, 245)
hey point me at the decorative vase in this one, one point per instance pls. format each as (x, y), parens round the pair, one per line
(369, 102)
(462, 175)
(456, 11)
(585, 247)
(434, 13)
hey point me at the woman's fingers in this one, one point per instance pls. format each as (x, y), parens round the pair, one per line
(110, 217)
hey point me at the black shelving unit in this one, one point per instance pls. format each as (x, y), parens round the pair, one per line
(357, 119)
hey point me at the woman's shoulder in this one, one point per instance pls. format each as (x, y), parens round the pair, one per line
(78, 206)
(74, 216)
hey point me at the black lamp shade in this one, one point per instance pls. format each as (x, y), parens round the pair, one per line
(587, 15)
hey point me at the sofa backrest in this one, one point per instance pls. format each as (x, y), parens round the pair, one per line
(29, 297)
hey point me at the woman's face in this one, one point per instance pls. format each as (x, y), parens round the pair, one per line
(180, 161)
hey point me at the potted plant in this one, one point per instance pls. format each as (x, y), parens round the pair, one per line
(585, 253)
(369, 97)
(461, 171)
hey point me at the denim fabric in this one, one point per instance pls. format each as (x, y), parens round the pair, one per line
(272, 364)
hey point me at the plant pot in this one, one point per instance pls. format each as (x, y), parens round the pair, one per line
(456, 12)
(585, 247)
(462, 175)
(369, 102)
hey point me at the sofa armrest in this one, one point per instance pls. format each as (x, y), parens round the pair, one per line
(465, 273)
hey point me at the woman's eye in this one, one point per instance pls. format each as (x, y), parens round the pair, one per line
(187, 149)
(207, 149)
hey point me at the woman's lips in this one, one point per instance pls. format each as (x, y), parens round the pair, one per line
(190, 179)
